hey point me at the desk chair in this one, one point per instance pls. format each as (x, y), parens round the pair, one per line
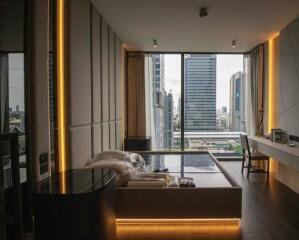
(250, 156)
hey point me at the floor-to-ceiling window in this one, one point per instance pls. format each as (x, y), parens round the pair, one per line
(163, 79)
(12, 80)
(212, 102)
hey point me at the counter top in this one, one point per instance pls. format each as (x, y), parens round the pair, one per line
(76, 181)
(279, 146)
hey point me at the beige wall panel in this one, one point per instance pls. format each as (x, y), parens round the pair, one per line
(105, 136)
(80, 146)
(119, 135)
(80, 70)
(111, 74)
(96, 66)
(112, 135)
(105, 70)
(118, 79)
(96, 138)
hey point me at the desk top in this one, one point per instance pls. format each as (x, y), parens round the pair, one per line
(279, 146)
(75, 181)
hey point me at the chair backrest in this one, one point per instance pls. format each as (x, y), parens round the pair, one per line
(244, 142)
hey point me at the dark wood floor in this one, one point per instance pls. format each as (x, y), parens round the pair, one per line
(270, 212)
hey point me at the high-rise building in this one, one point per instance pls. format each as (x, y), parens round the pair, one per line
(159, 96)
(237, 104)
(169, 121)
(200, 92)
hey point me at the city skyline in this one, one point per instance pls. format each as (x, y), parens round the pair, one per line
(227, 65)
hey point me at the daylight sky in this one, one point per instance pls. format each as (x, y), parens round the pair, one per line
(227, 65)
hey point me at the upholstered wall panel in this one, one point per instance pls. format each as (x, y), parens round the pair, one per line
(105, 70)
(80, 146)
(119, 134)
(118, 79)
(111, 75)
(79, 63)
(96, 65)
(105, 136)
(112, 135)
(95, 62)
(96, 139)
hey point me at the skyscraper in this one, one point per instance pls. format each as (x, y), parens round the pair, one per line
(237, 105)
(159, 96)
(200, 92)
(169, 121)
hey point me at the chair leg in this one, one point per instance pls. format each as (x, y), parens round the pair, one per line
(243, 160)
(268, 169)
(249, 167)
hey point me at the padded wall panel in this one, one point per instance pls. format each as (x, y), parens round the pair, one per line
(119, 134)
(105, 70)
(80, 74)
(112, 135)
(118, 79)
(111, 75)
(96, 138)
(80, 146)
(79, 60)
(105, 136)
(96, 65)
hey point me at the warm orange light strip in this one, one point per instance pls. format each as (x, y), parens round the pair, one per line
(270, 84)
(61, 110)
(272, 65)
(271, 89)
(120, 221)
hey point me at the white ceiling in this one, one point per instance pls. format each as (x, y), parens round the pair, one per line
(177, 26)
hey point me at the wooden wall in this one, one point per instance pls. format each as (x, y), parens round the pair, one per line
(95, 89)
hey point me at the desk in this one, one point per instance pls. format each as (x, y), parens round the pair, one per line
(280, 152)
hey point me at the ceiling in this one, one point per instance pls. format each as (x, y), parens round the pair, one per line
(177, 26)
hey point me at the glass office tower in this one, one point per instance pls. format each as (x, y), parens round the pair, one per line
(200, 92)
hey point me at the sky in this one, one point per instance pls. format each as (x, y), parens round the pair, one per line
(16, 80)
(227, 65)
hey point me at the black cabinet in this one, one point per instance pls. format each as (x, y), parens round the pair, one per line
(138, 143)
(76, 204)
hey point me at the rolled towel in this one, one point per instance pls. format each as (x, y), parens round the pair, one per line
(124, 170)
(137, 161)
(134, 158)
(153, 176)
(147, 183)
(115, 154)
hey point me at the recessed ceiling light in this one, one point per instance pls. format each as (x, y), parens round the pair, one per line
(203, 12)
(234, 43)
(155, 43)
